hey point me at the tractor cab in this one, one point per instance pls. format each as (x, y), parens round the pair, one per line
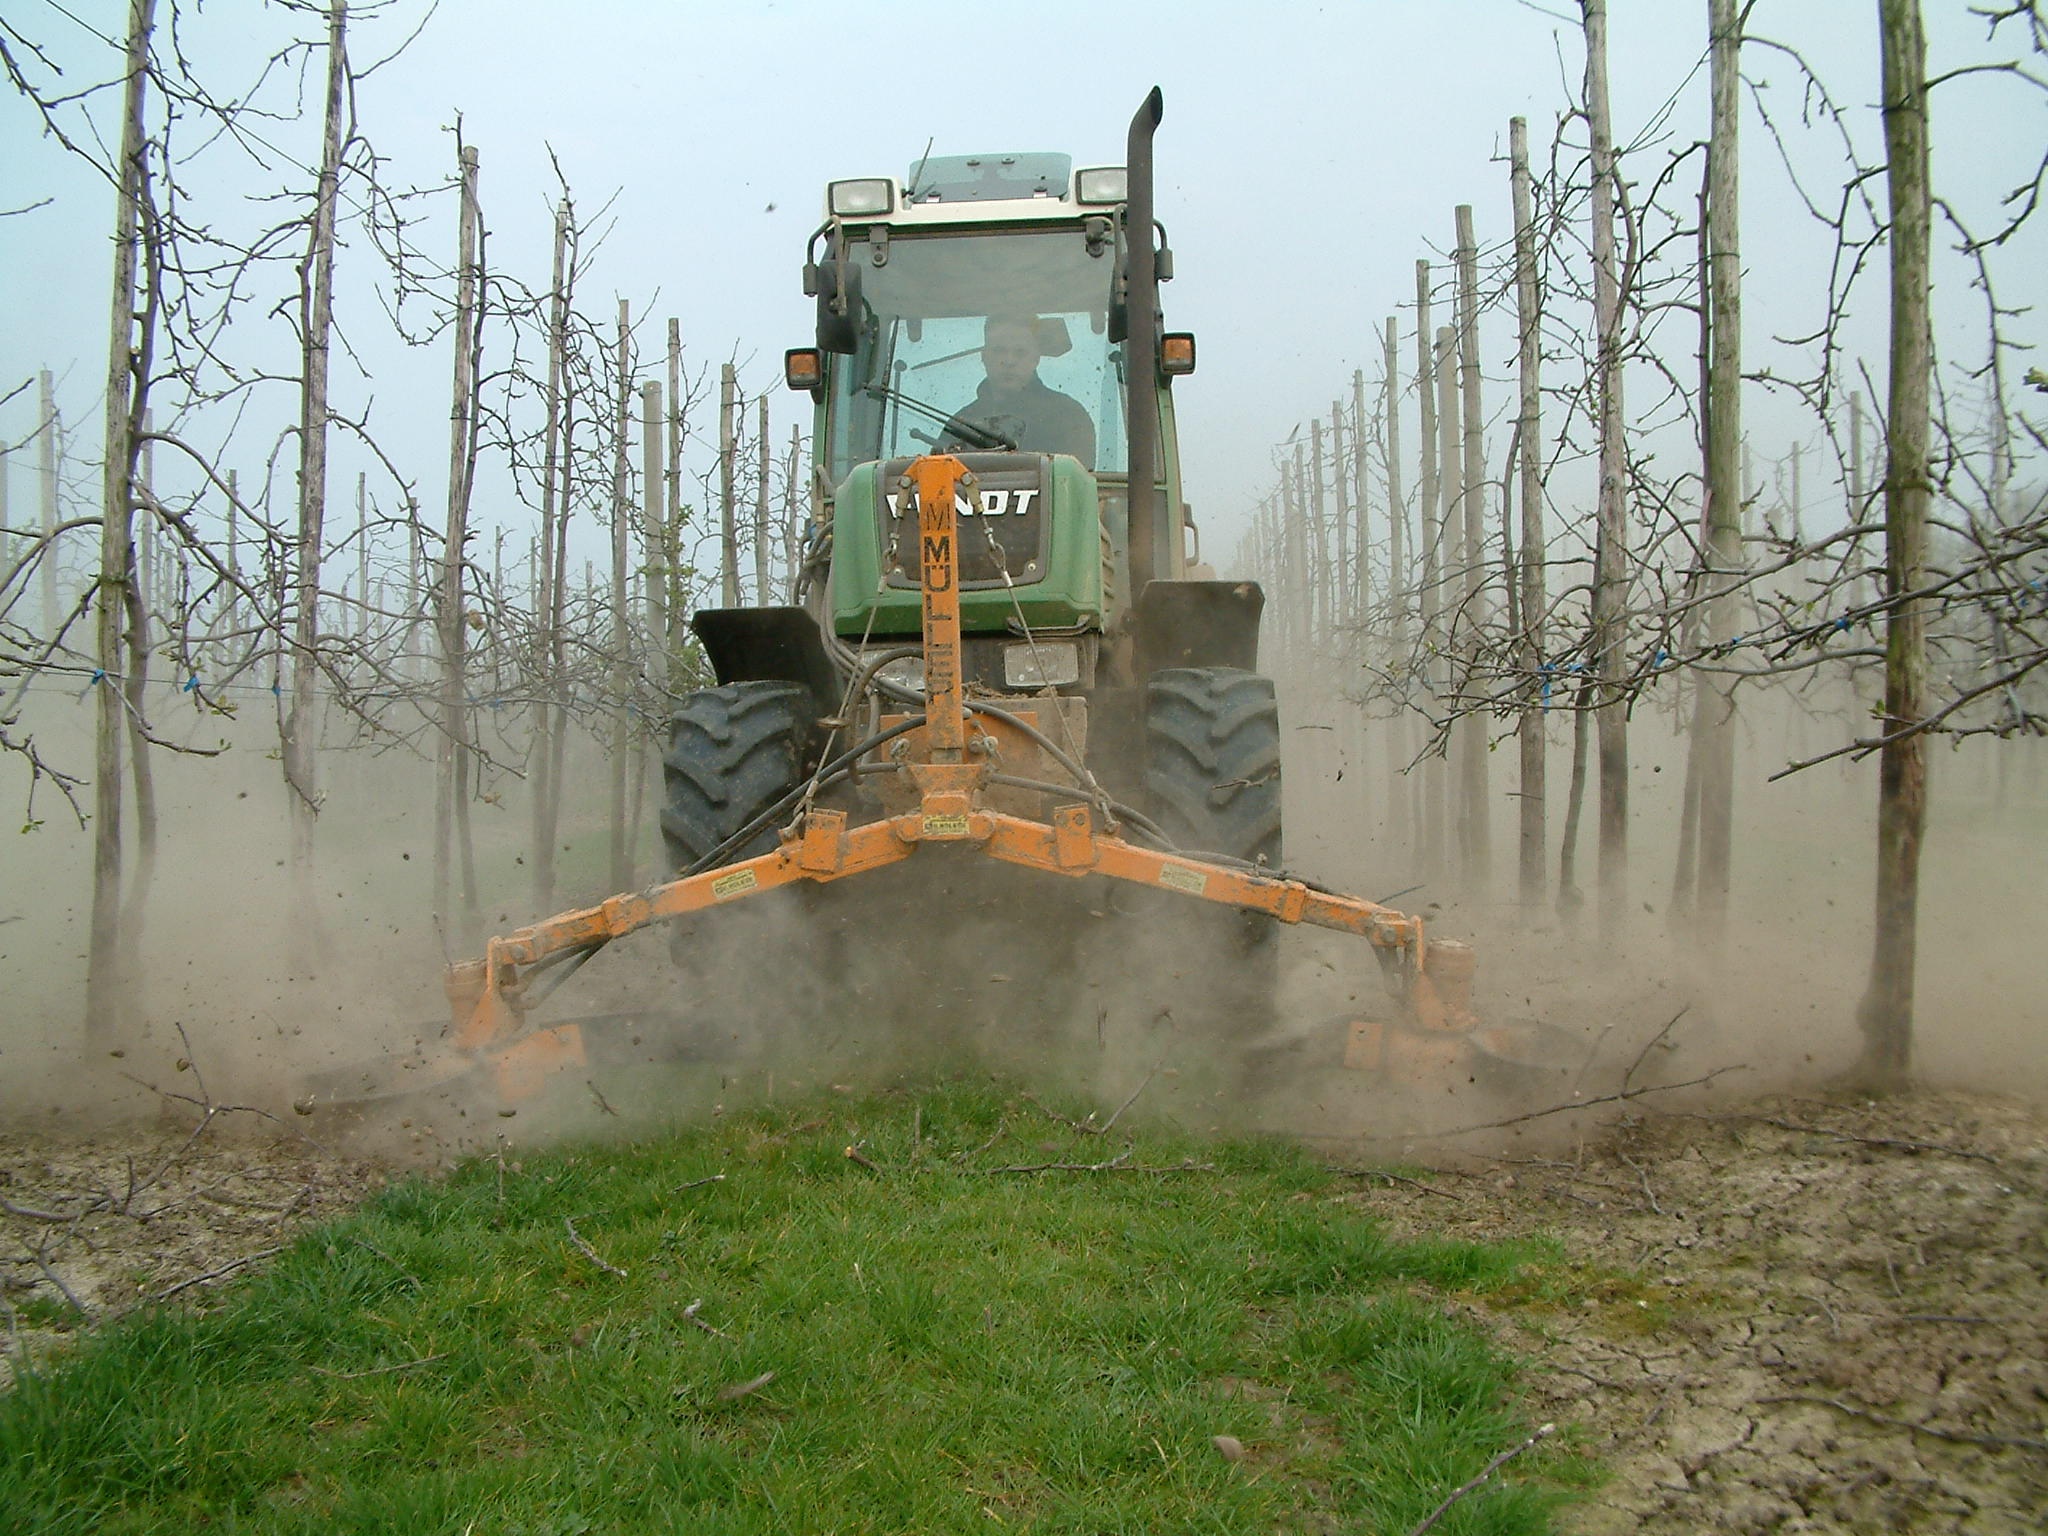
(982, 306)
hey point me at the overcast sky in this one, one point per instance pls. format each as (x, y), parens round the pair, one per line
(1309, 154)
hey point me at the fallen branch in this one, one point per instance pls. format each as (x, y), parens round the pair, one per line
(1628, 1077)
(29, 1213)
(1396, 1178)
(1957, 1436)
(1543, 1432)
(1604, 1098)
(698, 1183)
(589, 1252)
(1897, 1143)
(690, 1316)
(364, 1242)
(214, 1274)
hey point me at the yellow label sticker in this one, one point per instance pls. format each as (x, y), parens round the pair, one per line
(945, 826)
(727, 886)
(1174, 878)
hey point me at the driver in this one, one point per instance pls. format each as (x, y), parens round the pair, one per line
(1014, 402)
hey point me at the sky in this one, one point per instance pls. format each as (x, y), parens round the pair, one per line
(1309, 154)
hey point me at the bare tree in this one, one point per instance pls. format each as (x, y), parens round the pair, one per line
(1887, 1010)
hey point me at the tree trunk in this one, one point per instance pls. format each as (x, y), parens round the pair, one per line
(1475, 813)
(1450, 536)
(1531, 730)
(316, 325)
(1610, 581)
(764, 537)
(1887, 1011)
(1401, 805)
(548, 661)
(1321, 621)
(673, 600)
(728, 514)
(1715, 702)
(651, 501)
(106, 991)
(1430, 822)
(46, 465)
(621, 732)
(451, 808)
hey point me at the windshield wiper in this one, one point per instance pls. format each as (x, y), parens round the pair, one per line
(973, 435)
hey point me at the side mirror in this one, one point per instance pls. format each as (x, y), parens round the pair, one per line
(838, 319)
(804, 368)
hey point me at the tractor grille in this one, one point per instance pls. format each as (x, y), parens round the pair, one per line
(1009, 511)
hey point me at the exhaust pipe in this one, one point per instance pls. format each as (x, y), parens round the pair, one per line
(1141, 349)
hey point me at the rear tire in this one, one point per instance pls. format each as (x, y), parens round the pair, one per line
(1212, 761)
(1212, 782)
(732, 752)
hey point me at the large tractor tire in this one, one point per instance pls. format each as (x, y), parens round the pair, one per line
(1212, 783)
(732, 752)
(1212, 761)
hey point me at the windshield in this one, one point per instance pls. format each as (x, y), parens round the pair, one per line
(991, 340)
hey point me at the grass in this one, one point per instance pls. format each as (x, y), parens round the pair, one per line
(924, 1345)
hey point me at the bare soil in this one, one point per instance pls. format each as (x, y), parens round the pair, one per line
(1808, 1314)
(1805, 1315)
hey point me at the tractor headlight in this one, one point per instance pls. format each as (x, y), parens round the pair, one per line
(1102, 184)
(1041, 664)
(871, 194)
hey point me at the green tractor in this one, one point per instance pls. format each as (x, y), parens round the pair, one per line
(1008, 703)
(1004, 309)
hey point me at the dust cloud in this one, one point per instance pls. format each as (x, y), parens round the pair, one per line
(264, 983)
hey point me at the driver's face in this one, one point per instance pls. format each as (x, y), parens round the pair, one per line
(1010, 357)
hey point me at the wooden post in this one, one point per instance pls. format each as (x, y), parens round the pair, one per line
(1886, 1014)
(1475, 815)
(1532, 728)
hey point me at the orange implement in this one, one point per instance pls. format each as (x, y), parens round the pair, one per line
(488, 996)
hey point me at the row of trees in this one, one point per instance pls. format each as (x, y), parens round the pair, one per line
(1592, 542)
(203, 562)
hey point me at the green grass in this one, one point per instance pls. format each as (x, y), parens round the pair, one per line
(952, 1350)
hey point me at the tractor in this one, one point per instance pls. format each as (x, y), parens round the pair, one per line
(1007, 678)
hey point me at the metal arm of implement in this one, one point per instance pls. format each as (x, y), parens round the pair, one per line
(488, 995)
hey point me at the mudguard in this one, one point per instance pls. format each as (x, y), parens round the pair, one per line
(1198, 624)
(768, 645)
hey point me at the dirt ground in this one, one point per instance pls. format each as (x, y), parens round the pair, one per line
(1811, 1314)
(1808, 1314)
